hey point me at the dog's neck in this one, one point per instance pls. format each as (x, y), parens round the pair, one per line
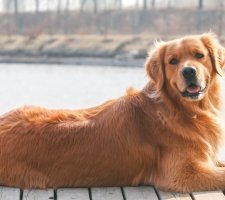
(188, 115)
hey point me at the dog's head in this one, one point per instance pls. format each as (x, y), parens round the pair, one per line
(186, 66)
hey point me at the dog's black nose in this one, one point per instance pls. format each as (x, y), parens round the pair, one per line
(189, 72)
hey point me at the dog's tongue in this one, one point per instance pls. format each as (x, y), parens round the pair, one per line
(193, 89)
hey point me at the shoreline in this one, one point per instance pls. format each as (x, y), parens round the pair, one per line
(90, 61)
(92, 50)
(117, 50)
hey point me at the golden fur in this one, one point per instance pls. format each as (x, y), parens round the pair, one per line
(152, 136)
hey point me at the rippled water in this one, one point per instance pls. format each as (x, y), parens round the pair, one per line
(58, 86)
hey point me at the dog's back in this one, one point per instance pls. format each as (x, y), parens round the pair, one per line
(49, 148)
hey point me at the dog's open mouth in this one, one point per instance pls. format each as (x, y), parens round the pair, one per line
(193, 91)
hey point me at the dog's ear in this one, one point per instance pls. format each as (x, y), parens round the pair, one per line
(216, 51)
(155, 64)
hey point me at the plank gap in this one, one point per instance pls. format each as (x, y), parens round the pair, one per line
(157, 193)
(55, 194)
(192, 196)
(21, 194)
(89, 192)
(123, 193)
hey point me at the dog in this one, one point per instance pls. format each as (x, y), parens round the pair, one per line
(166, 134)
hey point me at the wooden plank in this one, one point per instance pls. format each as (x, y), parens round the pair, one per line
(106, 193)
(211, 195)
(7, 193)
(72, 194)
(140, 193)
(38, 194)
(173, 196)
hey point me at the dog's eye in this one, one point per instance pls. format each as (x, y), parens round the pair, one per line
(199, 55)
(174, 61)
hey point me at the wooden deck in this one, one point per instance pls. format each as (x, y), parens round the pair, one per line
(110, 193)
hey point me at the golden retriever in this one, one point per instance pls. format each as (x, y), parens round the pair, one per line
(167, 134)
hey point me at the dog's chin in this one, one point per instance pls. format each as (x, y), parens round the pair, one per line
(193, 92)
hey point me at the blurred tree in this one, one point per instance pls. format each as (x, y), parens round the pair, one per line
(200, 4)
(82, 4)
(91, 5)
(67, 6)
(153, 4)
(6, 5)
(118, 4)
(137, 4)
(16, 7)
(13, 5)
(36, 6)
(49, 18)
(67, 16)
(221, 16)
(145, 4)
(59, 7)
(95, 7)
(169, 4)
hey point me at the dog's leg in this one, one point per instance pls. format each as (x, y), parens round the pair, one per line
(198, 177)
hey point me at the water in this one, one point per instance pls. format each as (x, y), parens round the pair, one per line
(56, 86)
(72, 87)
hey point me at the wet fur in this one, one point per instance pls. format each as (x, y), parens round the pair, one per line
(149, 136)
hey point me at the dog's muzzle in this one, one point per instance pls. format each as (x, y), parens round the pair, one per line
(193, 89)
